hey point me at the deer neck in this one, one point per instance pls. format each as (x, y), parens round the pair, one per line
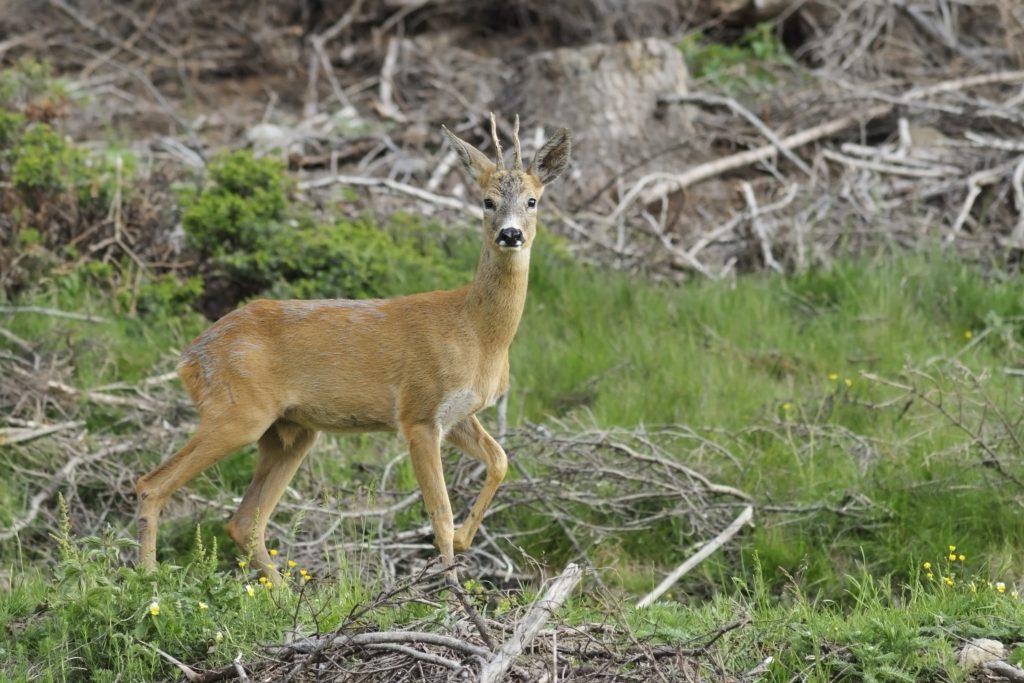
(497, 296)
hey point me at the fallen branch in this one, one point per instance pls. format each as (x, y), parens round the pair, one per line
(13, 435)
(1004, 670)
(751, 117)
(365, 181)
(52, 312)
(758, 228)
(667, 183)
(58, 478)
(314, 644)
(714, 544)
(672, 182)
(535, 618)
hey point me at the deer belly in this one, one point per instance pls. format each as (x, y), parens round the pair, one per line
(333, 420)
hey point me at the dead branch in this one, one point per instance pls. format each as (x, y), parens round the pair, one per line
(55, 482)
(496, 668)
(53, 312)
(758, 227)
(714, 544)
(363, 181)
(761, 126)
(668, 183)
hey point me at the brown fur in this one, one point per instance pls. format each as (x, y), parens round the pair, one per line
(280, 372)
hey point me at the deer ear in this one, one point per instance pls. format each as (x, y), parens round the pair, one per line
(474, 163)
(553, 158)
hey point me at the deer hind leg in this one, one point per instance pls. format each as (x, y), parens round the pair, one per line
(282, 449)
(216, 437)
(470, 437)
(425, 451)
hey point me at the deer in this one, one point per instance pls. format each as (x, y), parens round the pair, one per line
(279, 372)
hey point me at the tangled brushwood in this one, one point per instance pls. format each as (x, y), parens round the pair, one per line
(834, 129)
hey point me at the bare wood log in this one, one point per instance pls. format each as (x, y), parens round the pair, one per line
(714, 544)
(532, 623)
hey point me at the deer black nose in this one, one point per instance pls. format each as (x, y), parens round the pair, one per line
(510, 237)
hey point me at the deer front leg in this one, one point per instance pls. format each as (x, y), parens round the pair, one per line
(425, 450)
(470, 437)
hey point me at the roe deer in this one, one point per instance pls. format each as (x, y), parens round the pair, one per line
(279, 372)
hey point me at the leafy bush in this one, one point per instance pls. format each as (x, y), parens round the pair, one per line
(748, 61)
(242, 224)
(29, 82)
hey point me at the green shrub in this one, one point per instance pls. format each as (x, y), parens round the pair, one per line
(241, 222)
(29, 80)
(244, 201)
(748, 61)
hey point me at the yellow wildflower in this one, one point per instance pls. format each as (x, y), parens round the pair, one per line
(952, 548)
(927, 565)
(948, 580)
(848, 382)
(219, 637)
(242, 563)
(154, 608)
(273, 552)
(1015, 594)
(292, 563)
(250, 590)
(833, 376)
(931, 577)
(787, 407)
(968, 334)
(269, 584)
(952, 557)
(962, 557)
(1000, 586)
(203, 605)
(263, 579)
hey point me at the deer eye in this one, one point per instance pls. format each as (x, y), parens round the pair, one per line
(489, 204)
(531, 202)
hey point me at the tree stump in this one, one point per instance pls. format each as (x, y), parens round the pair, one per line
(608, 95)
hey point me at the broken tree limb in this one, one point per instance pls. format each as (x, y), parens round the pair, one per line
(673, 182)
(58, 478)
(367, 181)
(714, 544)
(662, 184)
(538, 615)
(739, 109)
(13, 435)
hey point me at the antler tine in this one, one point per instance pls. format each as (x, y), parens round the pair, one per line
(497, 144)
(518, 147)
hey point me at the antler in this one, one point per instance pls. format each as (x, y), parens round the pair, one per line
(497, 144)
(518, 147)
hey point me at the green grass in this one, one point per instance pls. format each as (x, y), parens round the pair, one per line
(758, 366)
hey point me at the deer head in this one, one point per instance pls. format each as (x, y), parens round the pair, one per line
(510, 196)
